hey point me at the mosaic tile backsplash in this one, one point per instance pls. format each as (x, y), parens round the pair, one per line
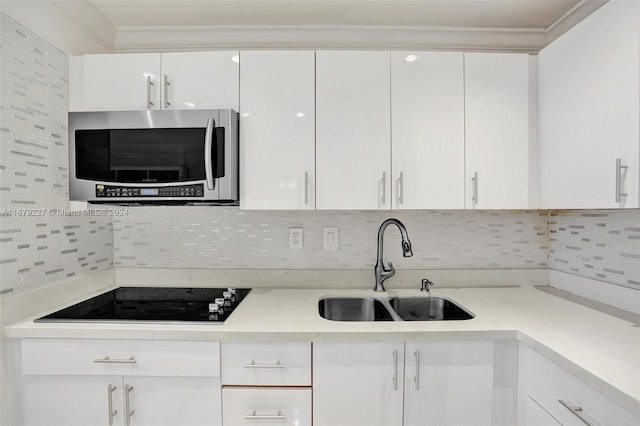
(227, 237)
(39, 242)
(600, 244)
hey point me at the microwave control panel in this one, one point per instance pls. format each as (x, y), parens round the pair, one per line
(109, 191)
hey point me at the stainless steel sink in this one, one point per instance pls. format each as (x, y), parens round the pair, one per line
(353, 309)
(391, 309)
(428, 309)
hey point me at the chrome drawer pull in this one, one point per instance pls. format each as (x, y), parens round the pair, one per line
(416, 378)
(107, 360)
(255, 416)
(395, 370)
(128, 412)
(577, 411)
(254, 365)
(112, 412)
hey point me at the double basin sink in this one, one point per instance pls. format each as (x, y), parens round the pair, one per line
(427, 308)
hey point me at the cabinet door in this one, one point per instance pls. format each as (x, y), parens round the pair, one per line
(118, 82)
(449, 383)
(277, 130)
(170, 401)
(72, 400)
(497, 130)
(353, 152)
(427, 113)
(589, 111)
(535, 415)
(568, 399)
(357, 384)
(202, 80)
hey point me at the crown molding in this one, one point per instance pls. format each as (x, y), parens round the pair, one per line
(78, 28)
(136, 39)
(74, 27)
(573, 17)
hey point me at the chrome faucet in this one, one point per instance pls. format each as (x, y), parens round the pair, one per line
(383, 273)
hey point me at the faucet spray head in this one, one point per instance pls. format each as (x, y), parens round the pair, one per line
(406, 248)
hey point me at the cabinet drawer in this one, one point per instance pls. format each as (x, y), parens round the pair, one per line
(284, 364)
(272, 406)
(548, 384)
(120, 357)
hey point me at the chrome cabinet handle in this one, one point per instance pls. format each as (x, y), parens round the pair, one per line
(128, 412)
(577, 411)
(416, 378)
(400, 189)
(166, 92)
(107, 360)
(149, 84)
(383, 198)
(306, 188)
(255, 416)
(395, 370)
(112, 412)
(619, 173)
(254, 365)
(474, 197)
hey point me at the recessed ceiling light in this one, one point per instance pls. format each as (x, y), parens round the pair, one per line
(410, 58)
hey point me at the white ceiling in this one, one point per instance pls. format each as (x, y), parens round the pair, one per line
(90, 26)
(430, 13)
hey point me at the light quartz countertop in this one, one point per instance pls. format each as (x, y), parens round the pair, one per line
(600, 349)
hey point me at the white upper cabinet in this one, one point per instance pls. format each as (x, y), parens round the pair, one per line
(139, 81)
(589, 112)
(427, 116)
(497, 131)
(353, 152)
(202, 80)
(115, 82)
(277, 130)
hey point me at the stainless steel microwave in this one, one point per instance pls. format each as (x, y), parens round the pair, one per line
(173, 156)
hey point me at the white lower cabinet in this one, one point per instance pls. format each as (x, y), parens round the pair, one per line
(266, 383)
(390, 383)
(357, 384)
(109, 382)
(267, 406)
(449, 383)
(566, 399)
(536, 415)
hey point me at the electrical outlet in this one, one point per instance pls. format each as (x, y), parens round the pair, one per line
(295, 239)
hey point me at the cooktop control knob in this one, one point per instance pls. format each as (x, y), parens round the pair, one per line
(213, 307)
(228, 297)
(220, 301)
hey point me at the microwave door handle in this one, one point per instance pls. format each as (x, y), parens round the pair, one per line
(208, 145)
(219, 169)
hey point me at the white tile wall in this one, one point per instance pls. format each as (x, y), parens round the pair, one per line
(38, 243)
(226, 237)
(599, 244)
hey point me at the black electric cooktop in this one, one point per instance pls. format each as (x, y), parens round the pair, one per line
(163, 304)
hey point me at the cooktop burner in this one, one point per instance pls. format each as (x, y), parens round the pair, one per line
(133, 304)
